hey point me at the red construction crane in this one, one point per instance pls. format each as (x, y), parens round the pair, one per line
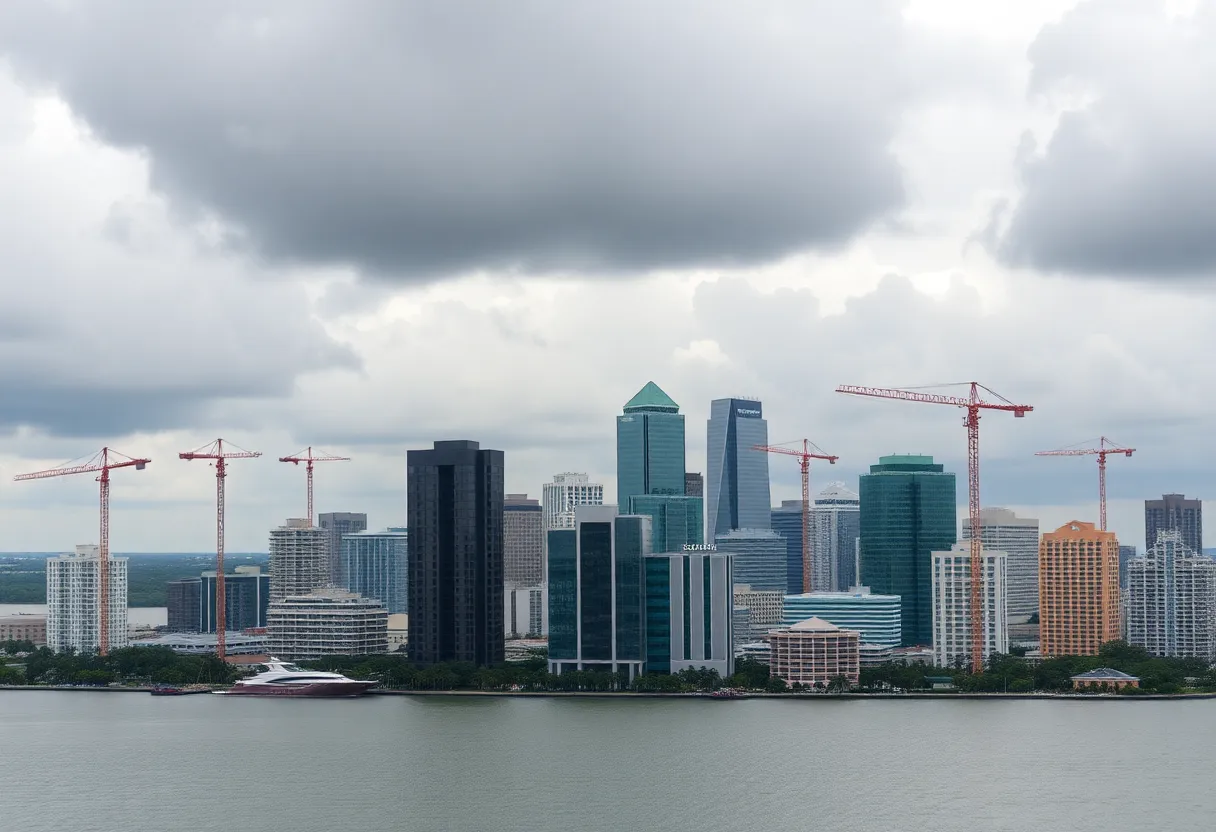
(804, 458)
(104, 461)
(215, 451)
(974, 403)
(308, 458)
(1105, 446)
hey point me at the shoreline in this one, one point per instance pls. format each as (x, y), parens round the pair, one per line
(810, 697)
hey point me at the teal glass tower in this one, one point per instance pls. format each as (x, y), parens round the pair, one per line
(676, 522)
(596, 592)
(908, 511)
(649, 446)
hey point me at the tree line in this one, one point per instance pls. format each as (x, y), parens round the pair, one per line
(128, 665)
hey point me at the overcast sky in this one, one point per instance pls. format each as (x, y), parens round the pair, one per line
(364, 227)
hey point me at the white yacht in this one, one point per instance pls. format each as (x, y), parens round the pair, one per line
(279, 678)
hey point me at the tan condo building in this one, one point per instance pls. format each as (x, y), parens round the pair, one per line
(814, 652)
(1078, 590)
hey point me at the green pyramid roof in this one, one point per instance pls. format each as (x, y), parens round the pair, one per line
(652, 398)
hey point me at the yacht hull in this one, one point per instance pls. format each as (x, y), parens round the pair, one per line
(313, 689)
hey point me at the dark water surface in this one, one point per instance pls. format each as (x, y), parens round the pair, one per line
(95, 762)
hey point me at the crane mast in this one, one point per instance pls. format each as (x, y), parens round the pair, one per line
(308, 458)
(973, 403)
(1105, 447)
(804, 459)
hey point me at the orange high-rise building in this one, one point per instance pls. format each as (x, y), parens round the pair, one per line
(1078, 590)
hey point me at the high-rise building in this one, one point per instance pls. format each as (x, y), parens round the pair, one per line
(1078, 590)
(815, 652)
(689, 612)
(596, 592)
(1002, 530)
(376, 565)
(763, 609)
(1171, 600)
(835, 528)
(455, 495)
(738, 487)
(676, 521)
(523, 541)
(299, 558)
(759, 557)
(694, 485)
(649, 446)
(1174, 511)
(786, 521)
(564, 494)
(191, 601)
(875, 617)
(73, 601)
(952, 605)
(185, 605)
(326, 622)
(338, 523)
(908, 511)
(1126, 553)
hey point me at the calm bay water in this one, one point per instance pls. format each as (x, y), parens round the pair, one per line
(96, 762)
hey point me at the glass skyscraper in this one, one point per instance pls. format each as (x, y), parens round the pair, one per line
(649, 446)
(759, 557)
(689, 612)
(908, 511)
(737, 487)
(376, 565)
(675, 521)
(787, 522)
(596, 592)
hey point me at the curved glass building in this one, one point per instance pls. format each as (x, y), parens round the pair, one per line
(876, 617)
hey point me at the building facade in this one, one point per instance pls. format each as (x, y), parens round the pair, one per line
(184, 601)
(299, 558)
(455, 497)
(689, 612)
(327, 622)
(523, 541)
(1126, 553)
(952, 605)
(786, 520)
(815, 653)
(737, 483)
(676, 521)
(835, 529)
(24, 627)
(523, 612)
(376, 565)
(191, 601)
(1171, 600)
(596, 592)
(908, 511)
(694, 484)
(764, 607)
(568, 491)
(339, 523)
(1078, 590)
(875, 617)
(1002, 530)
(649, 446)
(73, 600)
(759, 557)
(1174, 512)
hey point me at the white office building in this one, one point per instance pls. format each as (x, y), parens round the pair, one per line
(326, 622)
(952, 605)
(73, 596)
(1003, 531)
(763, 607)
(1171, 600)
(568, 491)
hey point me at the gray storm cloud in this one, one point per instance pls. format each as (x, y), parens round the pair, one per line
(415, 140)
(1125, 184)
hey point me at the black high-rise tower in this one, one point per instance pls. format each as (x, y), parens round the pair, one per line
(455, 503)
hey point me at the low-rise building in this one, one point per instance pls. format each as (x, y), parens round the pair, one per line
(1105, 677)
(24, 627)
(398, 631)
(200, 644)
(814, 652)
(327, 622)
(876, 617)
